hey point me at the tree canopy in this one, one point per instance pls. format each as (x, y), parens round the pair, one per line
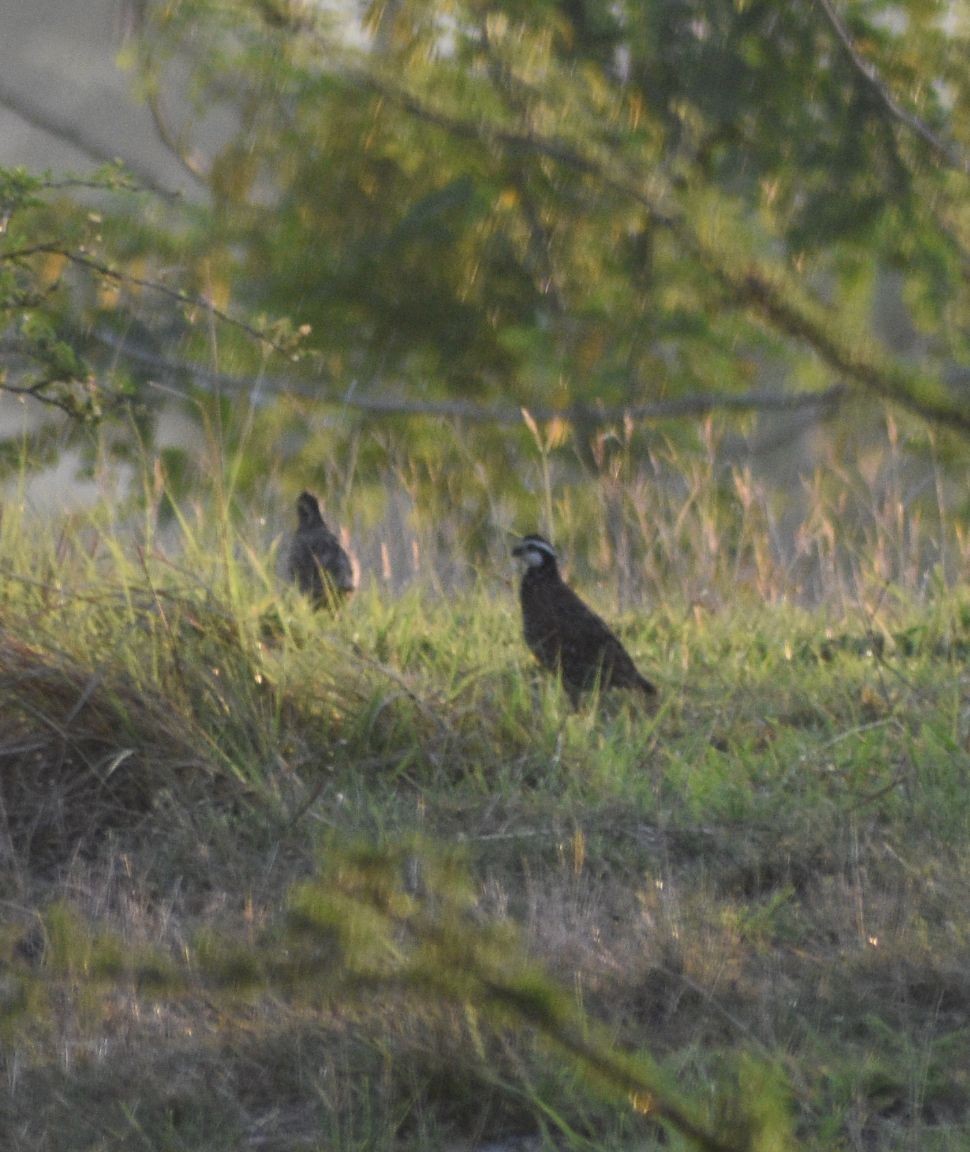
(569, 203)
(587, 201)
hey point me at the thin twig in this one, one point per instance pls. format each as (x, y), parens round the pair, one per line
(171, 141)
(64, 129)
(177, 294)
(872, 78)
(695, 404)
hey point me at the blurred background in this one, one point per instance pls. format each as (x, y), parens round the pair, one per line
(682, 284)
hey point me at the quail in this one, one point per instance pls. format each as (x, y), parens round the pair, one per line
(565, 635)
(316, 562)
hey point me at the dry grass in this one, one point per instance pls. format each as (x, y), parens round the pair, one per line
(768, 877)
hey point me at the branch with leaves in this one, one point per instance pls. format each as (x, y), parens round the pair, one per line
(769, 289)
(42, 357)
(870, 75)
(402, 922)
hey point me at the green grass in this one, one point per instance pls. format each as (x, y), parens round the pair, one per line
(274, 879)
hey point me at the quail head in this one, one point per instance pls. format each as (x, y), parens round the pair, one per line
(316, 561)
(564, 634)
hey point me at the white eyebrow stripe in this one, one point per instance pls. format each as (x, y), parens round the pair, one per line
(540, 546)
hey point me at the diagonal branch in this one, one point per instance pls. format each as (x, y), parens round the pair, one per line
(872, 78)
(191, 164)
(177, 294)
(63, 128)
(767, 289)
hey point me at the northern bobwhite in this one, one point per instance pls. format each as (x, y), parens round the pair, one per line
(565, 635)
(316, 562)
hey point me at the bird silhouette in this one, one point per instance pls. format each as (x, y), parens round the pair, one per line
(564, 634)
(316, 562)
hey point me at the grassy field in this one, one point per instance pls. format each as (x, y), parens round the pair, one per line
(277, 880)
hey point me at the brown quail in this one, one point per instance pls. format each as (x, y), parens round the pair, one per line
(316, 562)
(565, 635)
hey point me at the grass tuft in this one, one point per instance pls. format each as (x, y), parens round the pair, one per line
(272, 878)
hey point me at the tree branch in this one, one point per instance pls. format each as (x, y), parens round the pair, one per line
(40, 392)
(872, 78)
(192, 166)
(76, 137)
(698, 404)
(767, 289)
(185, 298)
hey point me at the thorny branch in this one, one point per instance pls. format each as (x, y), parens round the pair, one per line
(187, 299)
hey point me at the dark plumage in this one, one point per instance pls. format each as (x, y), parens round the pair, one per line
(316, 562)
(565, 635)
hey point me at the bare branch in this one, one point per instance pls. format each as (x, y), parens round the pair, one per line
(872, 78)
(698, 404)
(172, 142)
(43, 392)
(64, 129)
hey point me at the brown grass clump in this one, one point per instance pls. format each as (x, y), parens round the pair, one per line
(84, 749)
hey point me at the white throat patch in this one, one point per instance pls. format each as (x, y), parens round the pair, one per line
(535, 553)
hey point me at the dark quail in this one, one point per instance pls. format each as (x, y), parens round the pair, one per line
(564, 634)
(316, 562)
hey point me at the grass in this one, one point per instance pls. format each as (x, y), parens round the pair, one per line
(272, 879)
